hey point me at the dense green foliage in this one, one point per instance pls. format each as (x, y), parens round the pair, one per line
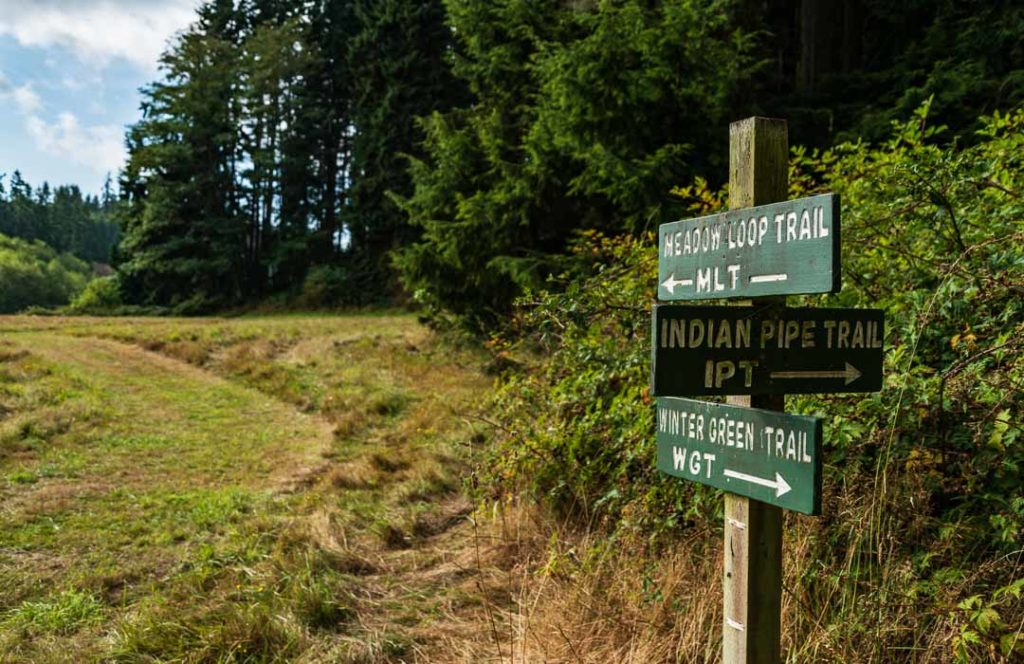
(923, 477)
(456, 146)
(61, 217)
(585, 113)
(101, 295)
(272, 144)
(184, 239)
(399, 73)
(583, 119)
(33, 274)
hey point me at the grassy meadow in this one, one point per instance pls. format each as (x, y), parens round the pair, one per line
(251, 489)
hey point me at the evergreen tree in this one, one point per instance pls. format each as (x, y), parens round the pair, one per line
(273, 68)
(400, 63)
(846, 70)
(184, 241)
(473, 140)
(61, 217)
(326, 118)
(585, 116)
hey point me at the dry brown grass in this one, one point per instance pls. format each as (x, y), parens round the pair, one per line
(554, 594)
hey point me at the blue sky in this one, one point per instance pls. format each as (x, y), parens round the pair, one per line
(70, 71)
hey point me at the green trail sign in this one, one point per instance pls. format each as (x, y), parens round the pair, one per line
(778, 249)
(701, 350)
(761, 454)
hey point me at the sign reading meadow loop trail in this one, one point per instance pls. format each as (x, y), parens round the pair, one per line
(778, 249)
(761, 454)
(702, 350)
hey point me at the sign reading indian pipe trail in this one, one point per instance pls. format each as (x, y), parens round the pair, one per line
(761, 454)
(702, 350)
(779, 249)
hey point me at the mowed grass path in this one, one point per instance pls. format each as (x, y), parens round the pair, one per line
(248, 490)
(170, 425)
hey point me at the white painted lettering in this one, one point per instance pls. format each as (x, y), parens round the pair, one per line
(708, 460)
(678, 457)
(704, 280)
(790, 226)
(724, 371)
(748, 371)
(829, 327)
(807, 333)
(819, 218)
(734, 272)
(805, 226)
(695, 462)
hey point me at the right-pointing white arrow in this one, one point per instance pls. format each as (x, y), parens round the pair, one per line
(671, 282)
(780, 485)
(850, 374)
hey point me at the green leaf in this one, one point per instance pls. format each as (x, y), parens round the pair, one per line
(987, 619)
(1015, 589)
(1011, 643)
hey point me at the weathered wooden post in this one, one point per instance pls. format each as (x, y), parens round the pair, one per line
(752, 582)
(764, 248)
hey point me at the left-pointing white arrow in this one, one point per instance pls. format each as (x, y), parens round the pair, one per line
(671, 282)
(779, 484)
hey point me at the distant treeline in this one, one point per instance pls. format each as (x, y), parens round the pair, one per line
(84, 226)
(347, 149)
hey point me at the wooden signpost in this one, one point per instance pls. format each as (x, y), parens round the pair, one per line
(765, 460)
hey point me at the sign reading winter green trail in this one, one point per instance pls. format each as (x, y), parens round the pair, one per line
(761, 454)
(702, 350)
(778, 249)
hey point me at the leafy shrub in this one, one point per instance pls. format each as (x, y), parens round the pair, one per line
(929, 469)
(324, 286)
(99, 296)
(33, 274)
(582, 417)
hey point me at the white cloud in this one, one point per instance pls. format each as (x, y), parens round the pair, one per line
(98, 31)
(72, 83)
(23, 96)
(99, 147)
(26, 99)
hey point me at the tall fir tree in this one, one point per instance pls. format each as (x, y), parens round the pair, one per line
(585, 116)
(273, 68)
(184, 242)
(401, 68)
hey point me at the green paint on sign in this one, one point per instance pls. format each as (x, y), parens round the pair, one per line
(768, 456)
(702, 350)
(778, 249)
